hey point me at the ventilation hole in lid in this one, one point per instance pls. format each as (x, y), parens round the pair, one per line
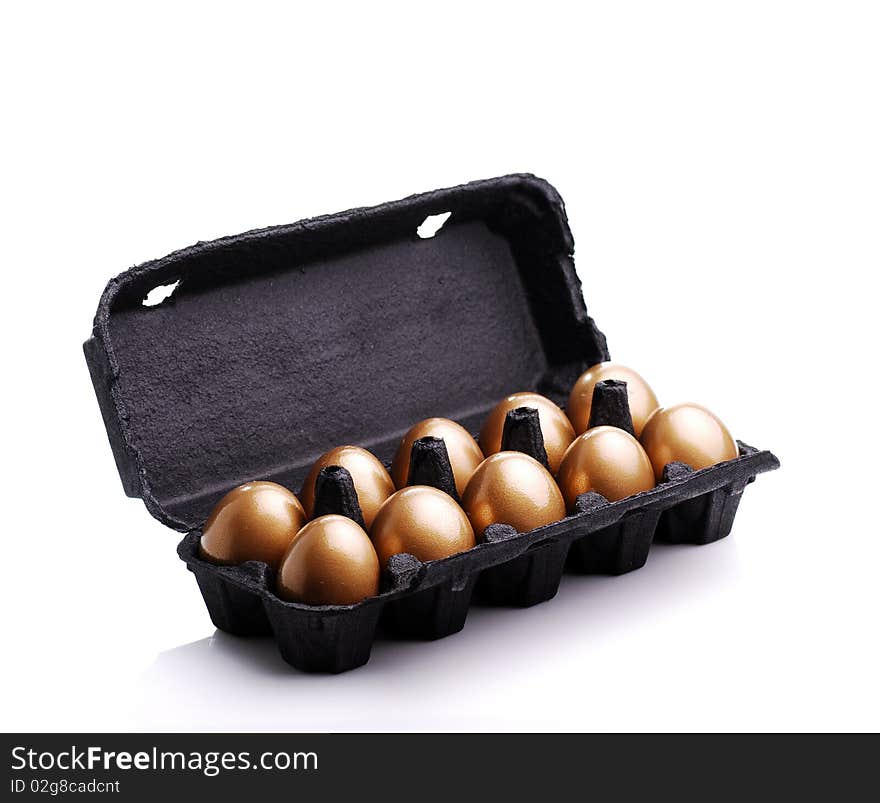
(432, 224)
(159, 294)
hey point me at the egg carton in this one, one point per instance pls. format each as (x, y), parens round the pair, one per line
(277, 344)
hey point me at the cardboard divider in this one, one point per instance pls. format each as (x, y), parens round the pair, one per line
(610, 406)
(522, 433)
(429, 465)
(335, 493)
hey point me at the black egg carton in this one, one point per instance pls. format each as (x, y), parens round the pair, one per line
(280, 343)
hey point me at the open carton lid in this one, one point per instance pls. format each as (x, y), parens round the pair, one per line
(278, 344)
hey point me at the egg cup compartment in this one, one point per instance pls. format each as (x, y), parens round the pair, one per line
(705, 518)
(324, 640)
(233, 607)
(527, 580)
(277, 344)
(618, 549)
(431, 614)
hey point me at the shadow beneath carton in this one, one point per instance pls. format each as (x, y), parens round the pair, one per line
(226, 682)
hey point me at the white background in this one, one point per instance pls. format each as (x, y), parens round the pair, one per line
(722, 177)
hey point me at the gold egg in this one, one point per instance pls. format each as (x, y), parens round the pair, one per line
(464, 454)
(606, 460)
(555, 427)
(512, 488)
(371, 481)
(642, 401)
(330, 562)
(687, 433)
(423, 521)
(255, 521)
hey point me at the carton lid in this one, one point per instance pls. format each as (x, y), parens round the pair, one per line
(278, 344)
